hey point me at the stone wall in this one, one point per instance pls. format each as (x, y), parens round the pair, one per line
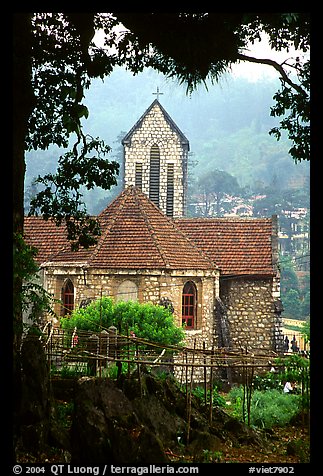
(249, 304)
(251, 312)
(155, 130)
(152, 286)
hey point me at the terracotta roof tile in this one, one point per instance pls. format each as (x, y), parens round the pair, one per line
(237, 246)
(45, 236)
(135, 234)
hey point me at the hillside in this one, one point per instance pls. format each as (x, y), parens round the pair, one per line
(227, 127)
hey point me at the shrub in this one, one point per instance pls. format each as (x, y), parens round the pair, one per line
(273, 408)
(269, 381)
(217, 399)
(148, 321)
(268, 408)
(90, 318)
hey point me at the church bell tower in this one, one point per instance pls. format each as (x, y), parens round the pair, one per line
(155, 159)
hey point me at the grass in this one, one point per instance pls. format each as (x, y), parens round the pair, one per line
(269, 408)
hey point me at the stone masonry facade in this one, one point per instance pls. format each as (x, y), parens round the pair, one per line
(228, 266)
(155, 130)
(152, 287)
(251, 314)
(250, 311)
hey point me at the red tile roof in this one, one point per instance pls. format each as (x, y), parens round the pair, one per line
(239, 246)
(135, 234)
(45, 236)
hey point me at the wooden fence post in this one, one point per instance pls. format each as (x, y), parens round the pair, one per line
(190, 397)
(204, 370)
(211, 386)
(93, 348)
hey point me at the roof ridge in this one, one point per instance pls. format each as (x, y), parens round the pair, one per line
(193, 245)
(147, 221)
(122, 199)
(168, 119)
(180, 232)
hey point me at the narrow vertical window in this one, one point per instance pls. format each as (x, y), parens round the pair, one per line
(170, 190)
(154, 175)
(189, 300)
(138, 175)
(68, 297)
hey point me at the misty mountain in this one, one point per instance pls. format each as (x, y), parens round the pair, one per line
(227, 126)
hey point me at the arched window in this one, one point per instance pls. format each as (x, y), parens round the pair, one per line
(127, 291)
(189, 300)
(154, 174)
(67, 297)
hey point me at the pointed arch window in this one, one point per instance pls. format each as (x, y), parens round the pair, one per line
(189, 300)
(154, 174)
(68, 297)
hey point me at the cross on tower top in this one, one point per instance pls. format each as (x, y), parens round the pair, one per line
(157, 93)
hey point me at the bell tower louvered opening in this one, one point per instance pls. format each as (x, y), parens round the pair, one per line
(154, 175)
(170, 191)
(138, 175)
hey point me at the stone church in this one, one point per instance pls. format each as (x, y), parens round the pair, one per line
(220, 274)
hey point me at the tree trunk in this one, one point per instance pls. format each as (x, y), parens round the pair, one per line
(23, 102)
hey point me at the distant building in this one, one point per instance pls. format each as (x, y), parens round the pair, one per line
(294, 238)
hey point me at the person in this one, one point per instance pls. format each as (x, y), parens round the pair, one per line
(294, 345)
(286, 344)
(288, 387)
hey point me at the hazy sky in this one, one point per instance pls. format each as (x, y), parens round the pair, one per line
(262, 49)
(245, 69)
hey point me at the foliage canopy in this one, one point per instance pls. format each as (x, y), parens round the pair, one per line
(148, 321)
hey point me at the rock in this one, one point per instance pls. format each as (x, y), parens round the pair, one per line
(58, 436)
(35, 407)
(131, 421)
(106, 428)
(39, 427)
(153, 413)
(202, 442)
(242, 433)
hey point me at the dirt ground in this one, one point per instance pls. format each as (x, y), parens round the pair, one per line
(286, 445)
(282, 441)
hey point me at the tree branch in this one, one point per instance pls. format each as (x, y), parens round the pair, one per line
(275, 65)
